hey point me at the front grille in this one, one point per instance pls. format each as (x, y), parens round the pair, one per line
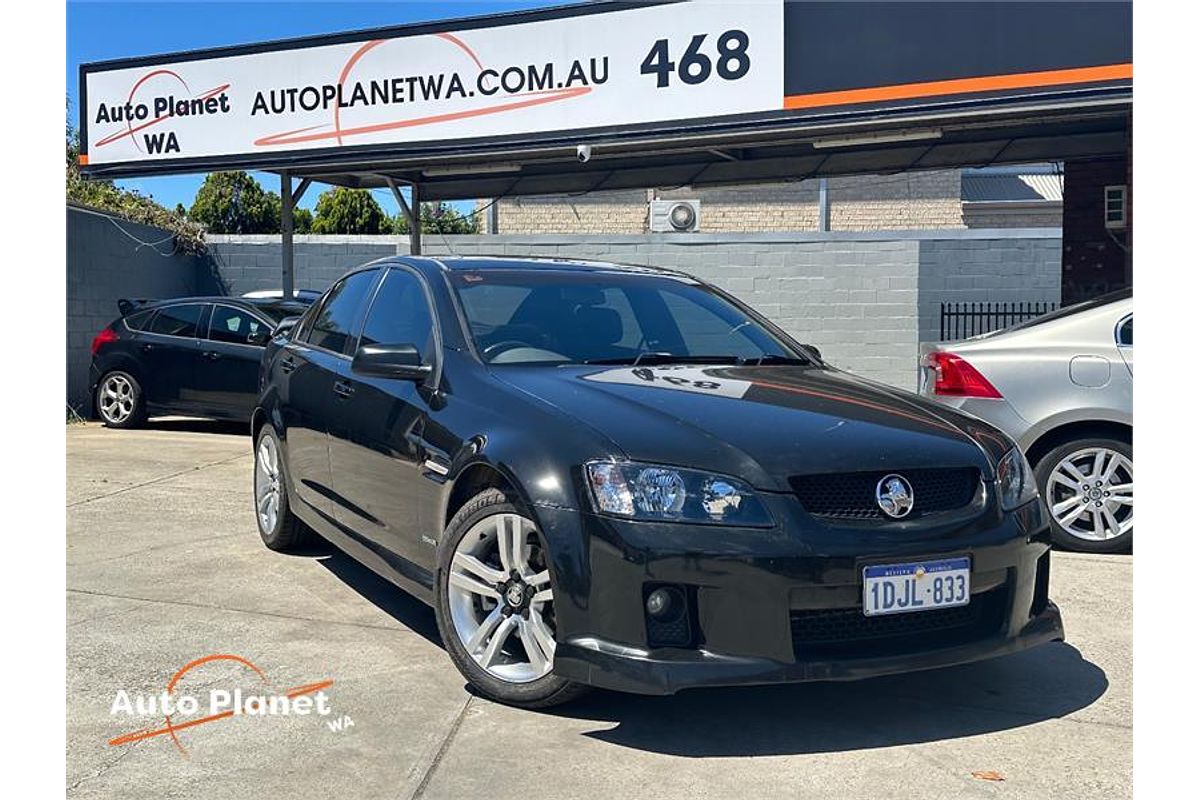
(847, 633)
(851, 495)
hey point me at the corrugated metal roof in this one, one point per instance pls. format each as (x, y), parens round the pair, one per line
(985, 187)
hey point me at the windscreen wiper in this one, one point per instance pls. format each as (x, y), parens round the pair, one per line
(664, 358)
(776, 359)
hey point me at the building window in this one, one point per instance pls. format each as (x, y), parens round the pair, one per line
(1114, 207)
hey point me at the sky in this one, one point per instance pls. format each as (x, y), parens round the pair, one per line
(97, 31)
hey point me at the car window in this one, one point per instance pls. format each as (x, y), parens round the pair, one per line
(554, 317)
(1125, 332)
(234, 325)
(137, 321)
(335, 322)
(181, 320)
(400, 314)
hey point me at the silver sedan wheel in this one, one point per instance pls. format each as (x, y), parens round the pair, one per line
(267, 484)
(117, 399)
(1090, 494)
(500, 599)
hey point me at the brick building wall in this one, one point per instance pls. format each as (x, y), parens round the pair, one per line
(909, 201)
(1094, 260)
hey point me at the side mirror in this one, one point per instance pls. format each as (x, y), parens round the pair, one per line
(400, 361)
(285, 325)
(813, 349)
(259, 337)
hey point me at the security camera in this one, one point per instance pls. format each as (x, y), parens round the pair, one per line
(584, 153)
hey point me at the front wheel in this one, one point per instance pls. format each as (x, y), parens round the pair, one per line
(495, 604)
(1088, 488)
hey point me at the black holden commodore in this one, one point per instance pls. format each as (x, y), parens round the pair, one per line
(196, 356)
(613, 476)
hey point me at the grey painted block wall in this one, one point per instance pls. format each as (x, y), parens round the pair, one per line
(867, 300)
(107, 260)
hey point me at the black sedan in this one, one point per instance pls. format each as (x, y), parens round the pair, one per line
(621, 477)
(196, 356)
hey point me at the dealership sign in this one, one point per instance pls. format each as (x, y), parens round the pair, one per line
(637, 65)
(597, 71)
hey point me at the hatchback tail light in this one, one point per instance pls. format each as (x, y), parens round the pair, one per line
(102, 338)
(955, 377)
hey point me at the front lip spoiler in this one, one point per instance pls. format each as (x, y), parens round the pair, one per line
(611, 665)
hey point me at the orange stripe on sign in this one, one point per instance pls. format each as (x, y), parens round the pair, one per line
(989, 83)
(83, 158)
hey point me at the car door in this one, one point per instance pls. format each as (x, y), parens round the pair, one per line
(376, 450)
(227, 370)
(169, 352)
(309, 368)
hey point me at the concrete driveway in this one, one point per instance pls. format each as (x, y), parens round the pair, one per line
(164, 566)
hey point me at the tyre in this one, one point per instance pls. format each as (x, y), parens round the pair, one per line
(119, 400)
(280, 529)
(495, 604)
(1088, 488)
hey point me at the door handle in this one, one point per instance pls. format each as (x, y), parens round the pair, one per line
(146, 348)
(211, 355)
(343, 389)
(286, 365)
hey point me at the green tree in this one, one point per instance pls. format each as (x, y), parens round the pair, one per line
(233, 202)
(302, 220)
(439, 217)
(342, 210)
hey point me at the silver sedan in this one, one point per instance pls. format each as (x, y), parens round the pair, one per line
(1061, 386)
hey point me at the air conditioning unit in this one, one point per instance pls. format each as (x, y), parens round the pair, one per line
(674, 216)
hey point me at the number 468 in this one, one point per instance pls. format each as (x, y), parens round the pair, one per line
(733, 59)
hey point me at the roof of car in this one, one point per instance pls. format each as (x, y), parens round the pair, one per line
(256, 302)
(477, 263)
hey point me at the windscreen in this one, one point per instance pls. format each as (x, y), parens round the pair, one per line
(556, 317)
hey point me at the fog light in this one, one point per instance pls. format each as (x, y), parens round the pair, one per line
(658, 604)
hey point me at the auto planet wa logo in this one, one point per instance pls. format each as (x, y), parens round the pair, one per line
(181, 711)
(156, 97)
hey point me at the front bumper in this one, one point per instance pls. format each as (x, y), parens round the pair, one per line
(753, 593)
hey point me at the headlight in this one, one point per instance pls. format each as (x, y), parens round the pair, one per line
(657, 493)
(1015, 479)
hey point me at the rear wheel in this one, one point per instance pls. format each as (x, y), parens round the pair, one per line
(279, 528)
(119, 400)
(1088, 488)
(495, 604)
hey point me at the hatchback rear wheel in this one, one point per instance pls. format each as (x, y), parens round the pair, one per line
(119, 400)
(1088, 489)
(495, 604)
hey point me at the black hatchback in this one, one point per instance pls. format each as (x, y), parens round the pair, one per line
(195, 356)
(622, 477)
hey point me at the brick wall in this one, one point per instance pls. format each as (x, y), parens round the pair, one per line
(107, 260)
(1094, 260)
(1023, 267)
(916, 200)
(251, 262)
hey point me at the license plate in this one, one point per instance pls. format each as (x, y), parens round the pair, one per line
(920, 586)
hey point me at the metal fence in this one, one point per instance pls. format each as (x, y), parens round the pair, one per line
(960, 320)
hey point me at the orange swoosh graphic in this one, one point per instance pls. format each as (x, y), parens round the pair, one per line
(532, 99)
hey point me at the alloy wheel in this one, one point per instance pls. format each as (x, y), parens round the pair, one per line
(1090, 494)
(267, 483)
(500, 599)
(117, 399)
